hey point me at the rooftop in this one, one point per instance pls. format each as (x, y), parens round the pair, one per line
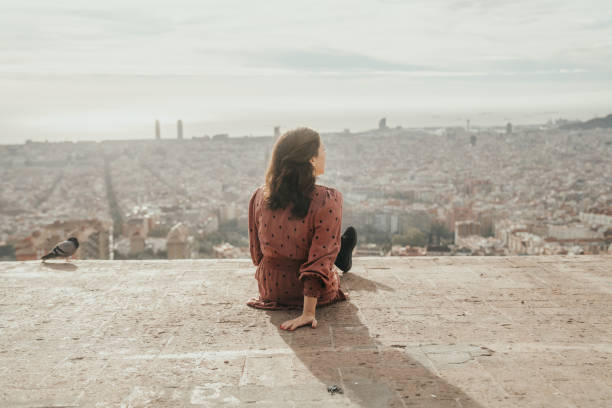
(417, 332)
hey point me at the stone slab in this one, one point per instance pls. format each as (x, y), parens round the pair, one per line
(417, 332)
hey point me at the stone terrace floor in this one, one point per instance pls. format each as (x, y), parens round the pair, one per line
(416, 332)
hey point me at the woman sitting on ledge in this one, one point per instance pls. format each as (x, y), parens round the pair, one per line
(294, 231)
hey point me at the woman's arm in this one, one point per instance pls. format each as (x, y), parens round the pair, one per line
(307, 317)
(310, 305)
(316, 272)
(256, 253)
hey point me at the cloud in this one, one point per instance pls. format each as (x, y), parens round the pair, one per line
(327, 60)
(598, 24)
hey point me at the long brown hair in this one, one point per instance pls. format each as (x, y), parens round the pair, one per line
(290, 176)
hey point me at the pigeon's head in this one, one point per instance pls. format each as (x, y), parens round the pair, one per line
(75, 241)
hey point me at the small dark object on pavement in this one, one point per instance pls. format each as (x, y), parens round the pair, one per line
(334, 389)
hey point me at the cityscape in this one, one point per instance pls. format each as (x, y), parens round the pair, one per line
(466, 152)
(436, 191)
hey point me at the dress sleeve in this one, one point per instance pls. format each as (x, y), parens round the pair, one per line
(315, 273)
(256, 253)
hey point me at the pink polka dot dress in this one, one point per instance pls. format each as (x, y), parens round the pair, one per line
(295, 257)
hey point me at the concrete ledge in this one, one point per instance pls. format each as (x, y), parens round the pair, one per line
(417, 332)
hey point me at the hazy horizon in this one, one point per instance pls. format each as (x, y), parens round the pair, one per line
(76, 71)
(254, 127)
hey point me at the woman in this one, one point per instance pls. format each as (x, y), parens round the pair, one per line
(294, 231)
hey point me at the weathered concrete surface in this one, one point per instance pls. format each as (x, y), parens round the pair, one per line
(417, 332)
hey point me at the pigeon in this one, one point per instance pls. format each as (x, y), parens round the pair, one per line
(63, 249)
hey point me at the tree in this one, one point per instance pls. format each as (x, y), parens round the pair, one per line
(439, 233)
(7, 251)
(398, 239)
(159, 231)
(416, 237)
(412, 237)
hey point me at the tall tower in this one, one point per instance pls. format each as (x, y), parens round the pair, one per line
(179, 129)
(382, 124)
(276, 132)
(157, 130)
(467, 126)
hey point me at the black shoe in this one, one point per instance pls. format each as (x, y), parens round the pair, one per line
(344, 260)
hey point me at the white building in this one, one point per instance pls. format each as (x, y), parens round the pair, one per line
(603, 217)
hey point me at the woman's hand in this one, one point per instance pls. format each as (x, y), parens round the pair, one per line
(299, 321)
(307, 317)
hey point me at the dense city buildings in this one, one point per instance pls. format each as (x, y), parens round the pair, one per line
(432, 191)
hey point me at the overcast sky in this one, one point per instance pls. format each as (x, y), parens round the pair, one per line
(99, 70)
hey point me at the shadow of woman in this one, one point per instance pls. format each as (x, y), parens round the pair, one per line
(352, 281)
(60, 266)
(341, 351)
